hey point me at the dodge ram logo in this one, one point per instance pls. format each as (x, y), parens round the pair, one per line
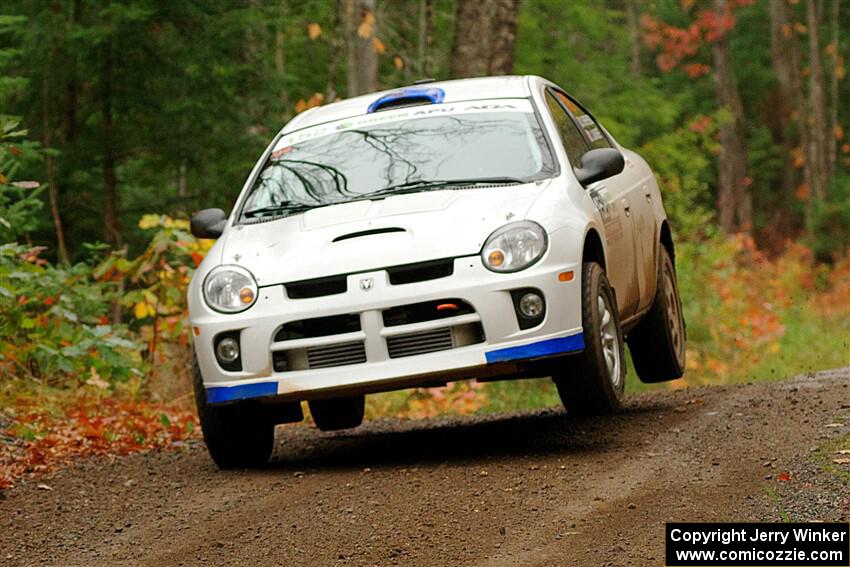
(367, 283)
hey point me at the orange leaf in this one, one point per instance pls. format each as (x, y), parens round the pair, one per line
(314, 30)
(802, 192)
(830, 49)
(783, 477)
(838, 132)
(367, 25)
(380, 48)
(398, 62)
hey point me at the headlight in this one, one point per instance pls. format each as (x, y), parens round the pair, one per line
(514, 247)
(230, 289)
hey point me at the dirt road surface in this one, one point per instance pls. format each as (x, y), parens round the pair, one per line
(537, 488)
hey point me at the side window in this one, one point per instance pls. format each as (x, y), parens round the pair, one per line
(591, 127)
(574, 143)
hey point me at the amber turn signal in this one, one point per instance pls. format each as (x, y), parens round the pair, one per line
(246, 295)
(496, 258)
(565, 276)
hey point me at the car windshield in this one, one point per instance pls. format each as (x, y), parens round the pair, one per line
(401, 151)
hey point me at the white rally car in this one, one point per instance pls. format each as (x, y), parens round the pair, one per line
(483, 228)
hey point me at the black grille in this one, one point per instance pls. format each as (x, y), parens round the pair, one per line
(318, 327)
(420, 343)
(336, 355)
(317, 287)
(425, 311)
(421, 272)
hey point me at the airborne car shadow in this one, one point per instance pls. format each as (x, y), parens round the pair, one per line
(391, 442)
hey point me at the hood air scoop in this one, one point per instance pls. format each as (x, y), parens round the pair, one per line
(371, 232)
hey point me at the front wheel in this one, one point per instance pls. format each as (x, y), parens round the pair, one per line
(595, 382)
(657, 343)
(236, 436)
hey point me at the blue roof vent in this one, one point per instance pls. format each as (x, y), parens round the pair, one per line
(410, 96)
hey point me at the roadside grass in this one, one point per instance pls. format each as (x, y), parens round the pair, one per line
(811, 342)
(834, 456)
(774, 497)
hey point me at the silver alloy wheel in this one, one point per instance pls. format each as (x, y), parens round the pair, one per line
(610, 341)
(674, 315)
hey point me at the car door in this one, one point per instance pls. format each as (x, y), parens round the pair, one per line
(639, 183)
(613, 197)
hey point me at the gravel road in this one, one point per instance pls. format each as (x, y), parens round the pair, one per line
(538, 488)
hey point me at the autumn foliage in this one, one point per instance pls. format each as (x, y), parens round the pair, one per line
(675, 45)
(39, 435)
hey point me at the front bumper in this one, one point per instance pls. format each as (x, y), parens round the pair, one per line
(504, 343)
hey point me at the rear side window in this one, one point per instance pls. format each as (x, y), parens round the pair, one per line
(591, 128)
(574, 143)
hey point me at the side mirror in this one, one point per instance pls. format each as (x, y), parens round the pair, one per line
(208, 223)
(599, 164)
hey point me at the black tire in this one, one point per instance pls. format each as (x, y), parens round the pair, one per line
(237, 435)
(592, 383)
(657, 343)
(338, 413)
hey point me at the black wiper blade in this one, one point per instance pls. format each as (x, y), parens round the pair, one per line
(280, 208)
(425, 184)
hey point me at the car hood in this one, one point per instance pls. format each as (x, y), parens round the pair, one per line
(367, 235)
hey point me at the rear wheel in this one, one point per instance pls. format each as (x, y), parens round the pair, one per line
(338, 413)
(237, 436)
(657, 343)
(594, 381)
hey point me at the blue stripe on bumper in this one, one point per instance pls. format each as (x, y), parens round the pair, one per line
(218, 394)
(563, 345)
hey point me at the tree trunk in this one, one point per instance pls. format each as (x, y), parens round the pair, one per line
(785, 53)
(337, 40)
(69, 126)
(426, 37)
(52, 189)
(817, 104)
(469, 50)
(110, 181)
(733, 193)
(832, 146)
(634, 37)
(503, 25)
(485, 37)
(362, 56)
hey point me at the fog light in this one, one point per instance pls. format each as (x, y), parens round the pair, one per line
(227, 350)
(531, 305)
